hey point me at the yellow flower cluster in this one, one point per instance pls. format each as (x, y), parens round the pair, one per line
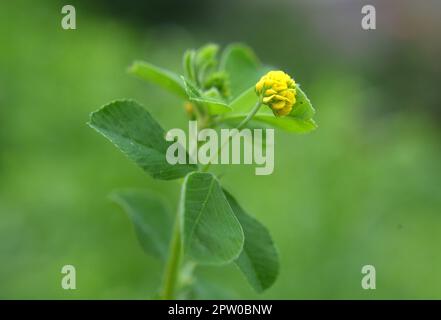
(278, 91)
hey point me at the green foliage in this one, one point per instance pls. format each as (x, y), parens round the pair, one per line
(211, 232)
(188, 64)
(206, 62)
(161, 77)
(362, 190)
(209, 82)
(303, 108)
(258, 260)
(150, 216)
(202, 68)
(298, 121)
(132, 130)
(209, 99)
(212, 228)
(242, 66)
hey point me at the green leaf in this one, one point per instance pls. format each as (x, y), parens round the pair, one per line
(288, 123)
(299, 120)
(214, 104)
(244, 102)
(259, 261)
(243, 67)
(211, 232)
(189, 64)
(151, 218)
(132, 130)
(207, 54)
(303, 108)
(161, 77)
(206, 61)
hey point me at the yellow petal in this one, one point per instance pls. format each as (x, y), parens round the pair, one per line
(267, 99)
(270, 92)
(278, 105)
(285, 111)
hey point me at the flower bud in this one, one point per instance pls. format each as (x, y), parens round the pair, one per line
(189, 109)
(278, 91)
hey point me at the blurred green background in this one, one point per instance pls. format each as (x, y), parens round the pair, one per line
(362, 189)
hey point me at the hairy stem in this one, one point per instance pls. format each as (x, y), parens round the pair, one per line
(171, 274)
(250, 115)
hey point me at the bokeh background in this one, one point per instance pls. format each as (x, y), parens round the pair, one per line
(362, 189)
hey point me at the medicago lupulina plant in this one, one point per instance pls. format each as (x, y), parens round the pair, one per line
(230, 89)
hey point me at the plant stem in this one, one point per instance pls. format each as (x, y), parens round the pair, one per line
(173, 263)
(249, 116)
(171, 274)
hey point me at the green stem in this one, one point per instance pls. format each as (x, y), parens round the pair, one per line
(172, 269)
(173, 264)
(249, 116)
